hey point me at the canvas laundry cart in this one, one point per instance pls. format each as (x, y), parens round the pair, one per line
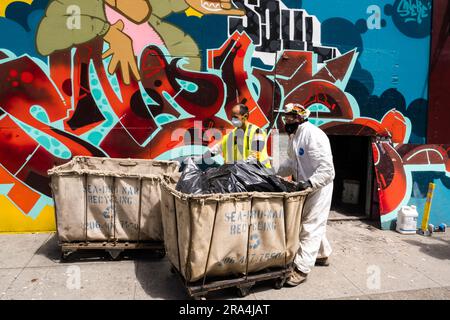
(231, 240)
(110, 204)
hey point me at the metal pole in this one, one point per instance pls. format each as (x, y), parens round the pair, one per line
(426, 213)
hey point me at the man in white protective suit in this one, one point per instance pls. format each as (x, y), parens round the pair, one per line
(311, 163)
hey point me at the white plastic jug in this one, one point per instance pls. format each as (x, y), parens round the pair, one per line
(407, 220)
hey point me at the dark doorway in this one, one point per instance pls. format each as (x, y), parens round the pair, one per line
(353, 164)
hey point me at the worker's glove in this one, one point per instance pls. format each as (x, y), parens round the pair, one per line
(197, 159)
(303, 185)
(252, 157)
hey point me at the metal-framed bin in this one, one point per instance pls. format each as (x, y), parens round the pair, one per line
(231, 240)
(110, 204)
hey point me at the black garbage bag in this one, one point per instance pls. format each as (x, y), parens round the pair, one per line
(239, 177)
(193, 180)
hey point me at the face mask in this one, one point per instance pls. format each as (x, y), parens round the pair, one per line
(291, 128)
(236, 122)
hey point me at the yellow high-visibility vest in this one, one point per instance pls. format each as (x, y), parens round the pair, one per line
(234, 151)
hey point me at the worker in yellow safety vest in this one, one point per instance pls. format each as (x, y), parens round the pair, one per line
(246, 141)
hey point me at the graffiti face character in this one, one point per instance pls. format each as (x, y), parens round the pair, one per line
(91, 22)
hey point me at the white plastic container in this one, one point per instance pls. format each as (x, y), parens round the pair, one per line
(407, 220)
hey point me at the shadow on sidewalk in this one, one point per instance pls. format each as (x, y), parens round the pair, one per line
(50, 249)
(438, 250)
(156, 280)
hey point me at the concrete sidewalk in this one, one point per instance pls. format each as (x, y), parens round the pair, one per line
(367, 263)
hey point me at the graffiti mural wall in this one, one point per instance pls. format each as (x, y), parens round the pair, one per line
(128, 79)
(403, 173)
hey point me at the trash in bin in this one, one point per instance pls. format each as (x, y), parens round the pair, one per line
(241, 176)
(193, 179)
(230, 234)
(102, 199)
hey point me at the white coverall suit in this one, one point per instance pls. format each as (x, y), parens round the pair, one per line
(310, 159)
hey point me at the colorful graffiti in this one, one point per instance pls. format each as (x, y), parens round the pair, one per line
(136, 75)
(403, 172)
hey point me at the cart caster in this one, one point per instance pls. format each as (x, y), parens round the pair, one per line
(279, 284)
(115, 254)
(65, 255)
(199, 298)
(243, 291)
(160, 254)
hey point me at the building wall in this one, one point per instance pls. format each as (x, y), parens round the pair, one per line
(438, 111)
(360, 66)
(403, 173)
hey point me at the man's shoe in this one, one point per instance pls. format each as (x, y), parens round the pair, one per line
(297, 277)
(322, 262)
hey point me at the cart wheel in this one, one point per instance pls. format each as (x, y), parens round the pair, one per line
(160, 254)
(173, 270)
(243, 291)
(65, 255)
(199, 297)
(114, 254)
(279, 283)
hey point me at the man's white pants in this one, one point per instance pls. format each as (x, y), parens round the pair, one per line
(313, 240)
